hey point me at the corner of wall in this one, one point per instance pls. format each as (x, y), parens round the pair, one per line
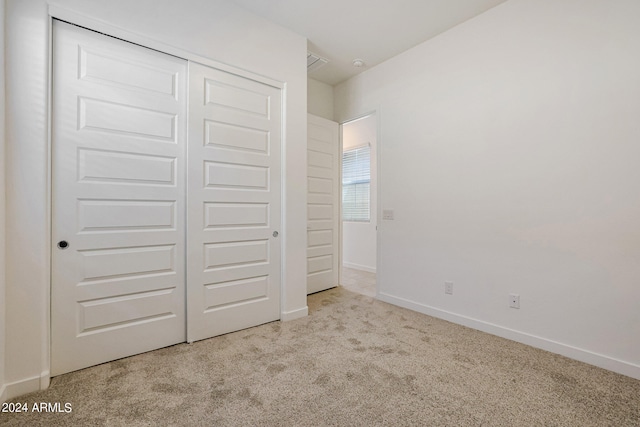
(25, 355)
(320, 99)
(2, 206)
(287, 316)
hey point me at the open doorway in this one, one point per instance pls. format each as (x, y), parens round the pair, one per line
(359, 204)
(342, 204)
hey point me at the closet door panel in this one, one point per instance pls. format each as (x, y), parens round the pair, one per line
(118, 199)
(234, 199)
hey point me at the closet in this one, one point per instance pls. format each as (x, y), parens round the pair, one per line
(165, 200)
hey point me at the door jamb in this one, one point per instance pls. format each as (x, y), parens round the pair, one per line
(376, 113)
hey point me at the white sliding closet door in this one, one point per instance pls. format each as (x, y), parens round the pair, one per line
(234, 199)
(118, 154)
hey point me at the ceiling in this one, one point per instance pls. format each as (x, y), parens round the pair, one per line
(371, 30)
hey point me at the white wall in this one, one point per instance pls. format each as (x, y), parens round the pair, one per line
(359, 238)
(320, 99)
(2, 206)
(509, 151)
(213, 29)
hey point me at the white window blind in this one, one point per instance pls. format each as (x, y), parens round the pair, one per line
(356, 183)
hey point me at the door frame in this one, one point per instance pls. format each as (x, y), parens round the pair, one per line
(375, 112)
(66, 15)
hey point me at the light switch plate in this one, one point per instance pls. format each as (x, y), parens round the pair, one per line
(387, 214)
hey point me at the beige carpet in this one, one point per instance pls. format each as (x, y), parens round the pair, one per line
(353, 362)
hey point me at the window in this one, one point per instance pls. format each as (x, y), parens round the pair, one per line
(356, 181)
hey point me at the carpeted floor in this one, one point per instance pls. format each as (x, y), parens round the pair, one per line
(353, 361)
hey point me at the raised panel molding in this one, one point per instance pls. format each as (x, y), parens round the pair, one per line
(118, 167)
(220, 214)
(231, 175)
(100, 66)
(320, 185)
(107, 116)
(320, 237)
(241, 99)
(221, 295)
(125, 215)
(318, 212)
(124, 310)
(233, 137)
(129, 261)
(320, 160)
(230, 254)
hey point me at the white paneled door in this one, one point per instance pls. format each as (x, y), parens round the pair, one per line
(118, 158)
(233, 267)
(323, 204)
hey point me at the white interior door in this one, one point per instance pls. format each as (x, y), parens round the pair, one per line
(233, 270)
(118, 141)
(323, 204)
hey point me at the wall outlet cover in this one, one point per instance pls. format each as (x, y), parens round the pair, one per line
(514, 301)
(448, 288)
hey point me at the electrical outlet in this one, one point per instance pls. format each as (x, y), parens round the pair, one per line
(514, 301)
(448, 288)
(388, 215)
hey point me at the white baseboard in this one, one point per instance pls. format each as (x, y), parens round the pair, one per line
(19, 388)
(286, 316)
(599, 360)
(359, 267)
